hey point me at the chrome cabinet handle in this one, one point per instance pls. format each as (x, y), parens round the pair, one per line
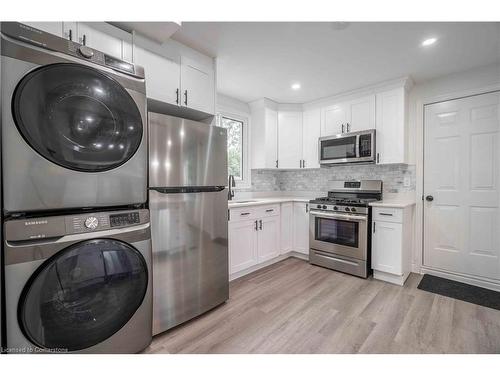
(245, 213)
(84, 40)
(374, 226)
(186, 97)
(384, 214)
(70, 35)
(342, 128)
(303, 163)
(177, 96)
(260, 224)
(347, 128)
(270, 210)
(307, 207)
(378, 157)
(256, 227)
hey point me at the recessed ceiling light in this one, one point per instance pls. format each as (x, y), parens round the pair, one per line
(429, 42)
(295, 86)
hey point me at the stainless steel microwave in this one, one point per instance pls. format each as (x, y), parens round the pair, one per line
(355, 147)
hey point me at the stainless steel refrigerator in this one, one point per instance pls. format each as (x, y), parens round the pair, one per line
(188, 204)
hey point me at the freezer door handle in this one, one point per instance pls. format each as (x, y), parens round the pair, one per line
(187, 189)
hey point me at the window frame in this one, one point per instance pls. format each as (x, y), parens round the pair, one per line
(243, 182)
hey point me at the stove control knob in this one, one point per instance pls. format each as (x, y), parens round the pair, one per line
(335, 208)
(86, 52)
(347, 209)
(318, 206)
(91, 222)
(324, 207)
(353, 209)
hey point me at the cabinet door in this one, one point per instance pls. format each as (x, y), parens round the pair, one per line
(289, 139)
(311, 129)
(268, 238)
(286, 239)
(301, 227)
(391, 126)
(162, 75)
(271, 138)
(361, 114)
(197, 82)
(387, 247)
(55, 28)
(242, 245)
(99, 40)
(332, 119)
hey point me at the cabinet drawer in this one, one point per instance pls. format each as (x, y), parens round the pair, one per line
(271, 210)
(393, 215)
(243, 213)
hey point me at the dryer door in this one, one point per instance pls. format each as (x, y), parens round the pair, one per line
(83, 295)
(77, 117)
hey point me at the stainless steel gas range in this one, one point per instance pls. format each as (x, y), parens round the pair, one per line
(339, 227)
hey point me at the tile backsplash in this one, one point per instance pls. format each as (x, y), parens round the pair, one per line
(320, 179)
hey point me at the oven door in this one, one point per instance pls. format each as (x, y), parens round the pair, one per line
(339, 234)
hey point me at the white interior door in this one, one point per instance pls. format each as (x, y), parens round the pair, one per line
(461, 173)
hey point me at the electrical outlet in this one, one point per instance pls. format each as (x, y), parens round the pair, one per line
(407, 181)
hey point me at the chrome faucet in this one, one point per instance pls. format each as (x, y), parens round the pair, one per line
(231, 184)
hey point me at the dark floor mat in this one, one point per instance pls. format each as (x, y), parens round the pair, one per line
(461, 291)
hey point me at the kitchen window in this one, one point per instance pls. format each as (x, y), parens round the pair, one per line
(237, 140)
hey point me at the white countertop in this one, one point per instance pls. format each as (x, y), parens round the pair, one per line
(265, 200)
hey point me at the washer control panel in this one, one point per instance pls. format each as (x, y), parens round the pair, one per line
(130, 218)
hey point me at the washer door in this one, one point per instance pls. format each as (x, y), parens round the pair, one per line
(83, 295)
(77, 117)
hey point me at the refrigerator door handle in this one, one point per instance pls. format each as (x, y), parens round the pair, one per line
(187, 189)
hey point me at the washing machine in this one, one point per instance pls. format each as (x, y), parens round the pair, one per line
(78, 283)
(73, 125)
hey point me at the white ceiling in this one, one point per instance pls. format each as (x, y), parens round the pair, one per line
(258, 59)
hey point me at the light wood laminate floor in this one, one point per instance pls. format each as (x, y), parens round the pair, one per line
(294, 307)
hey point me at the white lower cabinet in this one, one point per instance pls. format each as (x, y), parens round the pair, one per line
(286, 227)
(301, 227)
(242, 245)
(260, 234)
(254, 236)
(268, 238)
(391, 243)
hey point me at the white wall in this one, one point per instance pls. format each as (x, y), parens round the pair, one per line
(477, 78)
(231, 105)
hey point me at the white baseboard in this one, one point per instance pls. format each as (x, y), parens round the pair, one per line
(390, 278)
(483, 283)
(291, 254)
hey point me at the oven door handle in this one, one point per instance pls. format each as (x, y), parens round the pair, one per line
(337, 216)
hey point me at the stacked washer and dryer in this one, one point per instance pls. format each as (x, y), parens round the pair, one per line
(76, 242)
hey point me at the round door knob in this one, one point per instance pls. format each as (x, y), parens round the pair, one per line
(91, 222)
(86, 52)
(429, 198)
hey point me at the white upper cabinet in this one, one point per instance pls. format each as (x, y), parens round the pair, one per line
(264, 135)
(162, 76)
(104, 37)
(361, 114)
(197, 86)
(65, 30)
(289, 140)
(311, 129)
(349, 116)
(334, 119)
(391, 127)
